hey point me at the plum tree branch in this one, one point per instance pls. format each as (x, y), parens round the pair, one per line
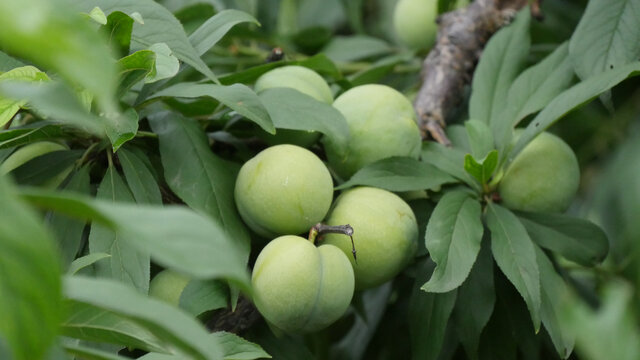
(449, 66)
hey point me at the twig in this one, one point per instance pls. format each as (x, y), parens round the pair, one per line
(449, 66)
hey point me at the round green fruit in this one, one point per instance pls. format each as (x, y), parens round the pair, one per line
(414, 22)
(285, 189)
(382, 124)
(299, 287)
(167, 286)
(544, 177)
(27, 153)
(385, 233)
(300, 78)
(307, 82)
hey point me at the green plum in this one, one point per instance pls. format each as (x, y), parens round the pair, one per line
(414, 22)
(299, 287)
(307, 82)
(385, 233)
(167, 286)
(285, 189)
(382, 124)
(544, 177)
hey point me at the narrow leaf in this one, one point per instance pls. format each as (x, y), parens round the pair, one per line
(200, 178)
(570, 99)
(33, 132)
(237, 97)
(88, 353)
(44, 168)
(204, 295)
(134, 68)
(453, 239)
(143, 185)
(184, 334)
(449, 160)
(480, 138)
(399, 174)
(606, 37)
(576, 239)
(483, 170)
(126, 263)
(87, 260)
(515, 255)
(500, 63)
(118, 31)
(209, 33)
(30, 305)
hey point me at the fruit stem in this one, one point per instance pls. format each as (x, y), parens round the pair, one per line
(320, 229)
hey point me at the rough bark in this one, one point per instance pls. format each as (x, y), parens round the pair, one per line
(449, 66)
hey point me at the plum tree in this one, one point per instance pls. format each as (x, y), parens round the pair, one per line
(307, 82)
(385, 232)
(168, 285)
(544, 177)
(414, 22)
(299, 287)
(285, 189)
(382, 124)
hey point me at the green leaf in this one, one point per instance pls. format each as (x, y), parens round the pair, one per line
(88, 353)
(611, 332)
(32, 132)
(453, 237)
(555, 297)
(160, 26)
(68, 231)
(204, 251)
(449, 160)
(209, 33)
(532, 90)
(291, 109)
(237, 97)
(122, 128)
(606, 37)
(181, 333)
(476, 301)
(570, 99)
(356, 47)
(237, 348)
(200, 178)
(58, 38)
(484, 170)
(87, 260)
(91, 323)
(428, 316)
(501, 61)
(576, 239)
(516, 257)
(40, 170)
(134, 68)
(98, 16)
(399, 174)
(166, 64)
(320, 63)
(9, 107)
(7, 62)
(30, 305)
(480, 138)
(55, 101)
(118, 31)
(141, 182)
(204, 295)
(127, 263)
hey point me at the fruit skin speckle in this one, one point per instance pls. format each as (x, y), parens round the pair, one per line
(283, 190)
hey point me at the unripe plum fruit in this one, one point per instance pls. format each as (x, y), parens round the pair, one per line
(414, 22)
(382, 124)
(385, 233)
(299, 287)
(285, 189)
(307, 82)
(544, 177)
(167, 286)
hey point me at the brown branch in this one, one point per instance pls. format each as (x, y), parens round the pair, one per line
(449, 66)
